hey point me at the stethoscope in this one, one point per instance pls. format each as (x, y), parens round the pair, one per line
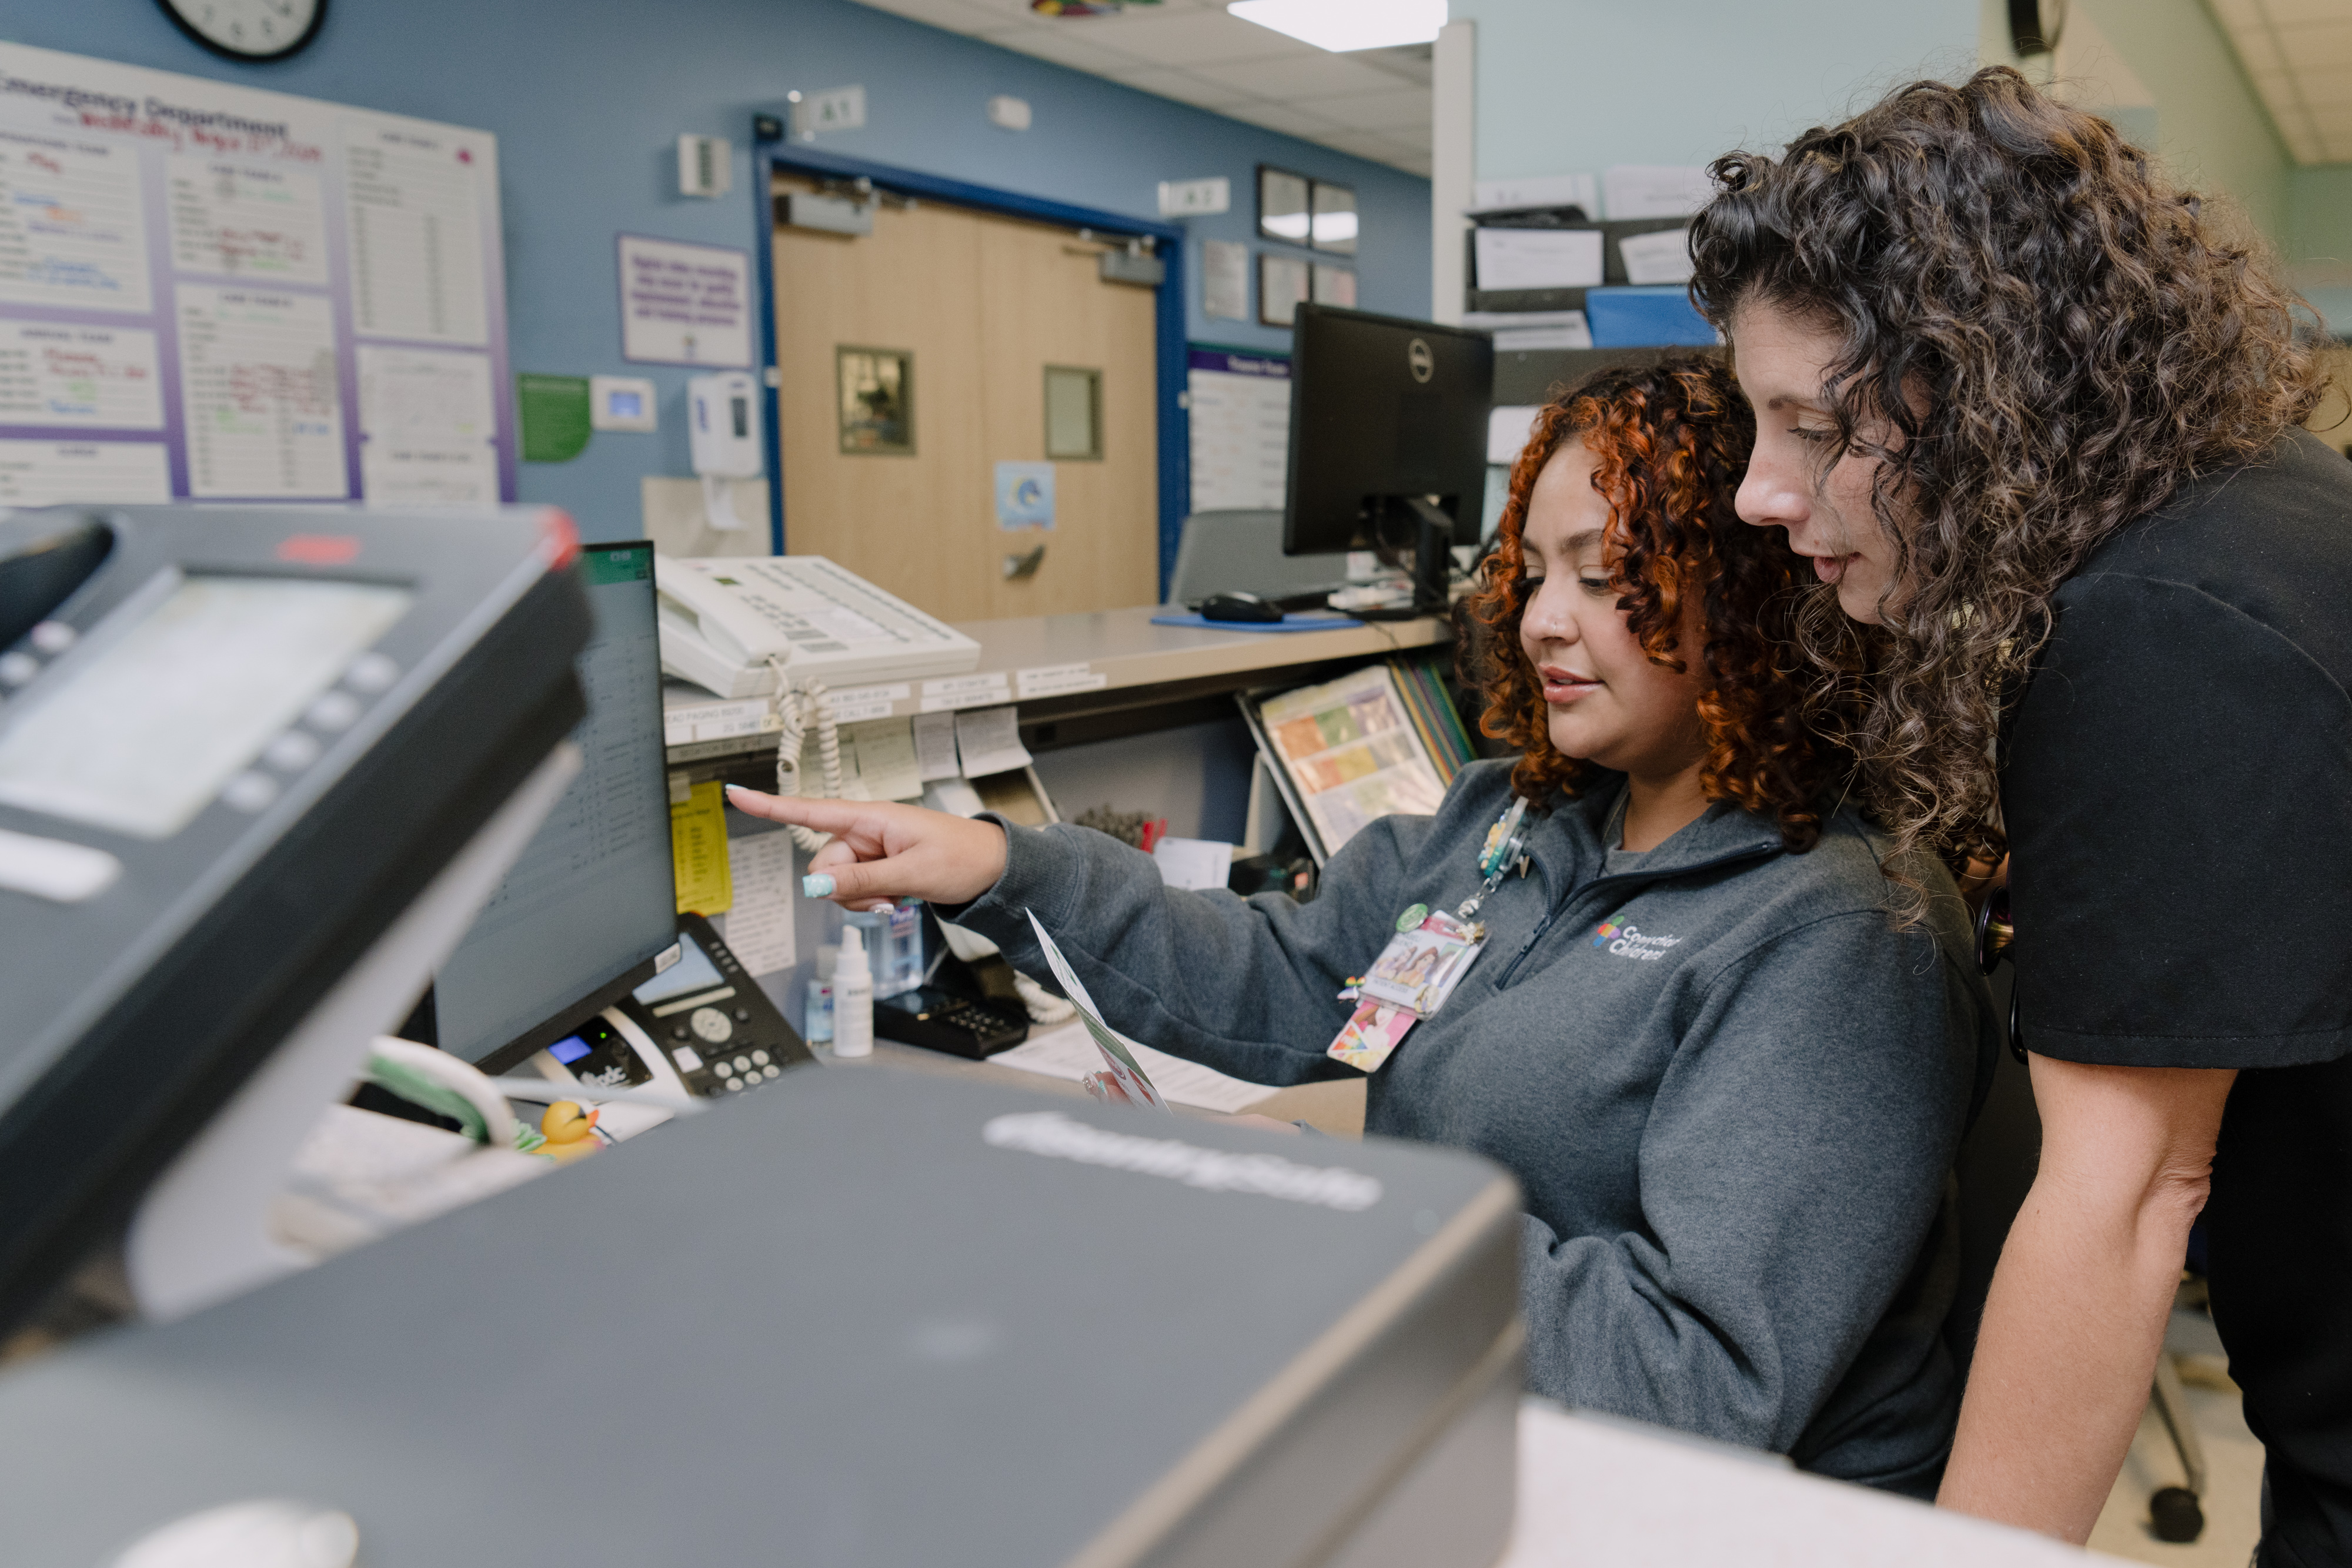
(1996, 934)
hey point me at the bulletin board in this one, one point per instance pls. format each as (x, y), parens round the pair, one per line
(215, 293)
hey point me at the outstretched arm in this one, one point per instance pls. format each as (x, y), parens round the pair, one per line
(2076, 1315)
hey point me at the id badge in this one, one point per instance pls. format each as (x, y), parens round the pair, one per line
(1421, 964)
(1370, 1034)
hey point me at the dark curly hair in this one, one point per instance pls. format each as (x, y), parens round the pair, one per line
(1672, 440)
(2040, 339)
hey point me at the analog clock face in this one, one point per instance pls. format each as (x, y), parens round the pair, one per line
(248, 29)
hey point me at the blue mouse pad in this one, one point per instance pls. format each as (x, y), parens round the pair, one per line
(1295, 621)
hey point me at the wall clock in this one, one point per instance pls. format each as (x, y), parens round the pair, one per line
(248, 29)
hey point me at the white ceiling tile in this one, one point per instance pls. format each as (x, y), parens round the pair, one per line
(1364, 144)
(2325, 88)
(1403, 107)
(2315, 47)
(1410, 63)
(1184, 86)
(1064, 48)
(2256, 49)
(2289, 13)
(1193, 37)
(1281, 117)
(1314, 75)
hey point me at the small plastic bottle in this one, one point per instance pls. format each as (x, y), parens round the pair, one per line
(853, 997)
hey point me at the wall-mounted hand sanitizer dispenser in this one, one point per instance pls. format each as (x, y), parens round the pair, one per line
(724, 421)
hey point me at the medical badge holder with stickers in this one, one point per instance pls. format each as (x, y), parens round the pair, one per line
(1427, 958)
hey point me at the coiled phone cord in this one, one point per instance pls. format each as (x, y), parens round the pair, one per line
(798, 705)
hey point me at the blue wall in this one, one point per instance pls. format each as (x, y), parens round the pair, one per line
(588, 97)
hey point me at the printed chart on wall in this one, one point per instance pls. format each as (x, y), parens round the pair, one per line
(218, 294)
(1240, 405)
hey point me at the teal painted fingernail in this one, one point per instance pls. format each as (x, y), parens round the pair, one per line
(816, 884)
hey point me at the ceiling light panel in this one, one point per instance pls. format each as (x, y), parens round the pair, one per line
(1344, 25)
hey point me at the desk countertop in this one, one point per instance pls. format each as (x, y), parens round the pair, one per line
(1069, 660)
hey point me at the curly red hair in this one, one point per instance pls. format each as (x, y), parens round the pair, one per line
(1672, 440)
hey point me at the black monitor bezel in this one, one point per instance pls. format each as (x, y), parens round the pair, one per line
(1467, 511)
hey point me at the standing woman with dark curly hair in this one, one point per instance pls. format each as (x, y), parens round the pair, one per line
(1731, 1089)
(2032, 413)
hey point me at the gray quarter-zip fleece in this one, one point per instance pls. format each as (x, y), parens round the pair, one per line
(1731, 1090)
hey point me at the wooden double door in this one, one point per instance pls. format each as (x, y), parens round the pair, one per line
(976, 308)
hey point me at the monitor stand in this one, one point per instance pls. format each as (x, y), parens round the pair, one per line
(1433, 558)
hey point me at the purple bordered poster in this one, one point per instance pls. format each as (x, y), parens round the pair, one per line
(219, 294)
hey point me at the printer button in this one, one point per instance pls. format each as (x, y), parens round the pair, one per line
(291, 752)
(53, 869)
(249, 791)
(334, 713)
(370, 673)
(18, 669)
(53, 637)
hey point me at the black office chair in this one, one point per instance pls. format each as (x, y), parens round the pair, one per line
(1996, 1168)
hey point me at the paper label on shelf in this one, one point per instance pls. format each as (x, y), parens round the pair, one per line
(759, 926)
(967, 691)
(852, 704)
(885, 758)
(1654, 258)
(1053, 680)
(989, 741)
(717, 721)
(935, 746)
(698, 848)
(1537, 258)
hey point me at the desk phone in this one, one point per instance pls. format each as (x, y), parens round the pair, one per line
(709, 1017)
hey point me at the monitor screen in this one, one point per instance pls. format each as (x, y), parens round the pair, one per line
(591, 901)
(1383, 408)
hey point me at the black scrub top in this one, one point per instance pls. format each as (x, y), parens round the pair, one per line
(2177, 785)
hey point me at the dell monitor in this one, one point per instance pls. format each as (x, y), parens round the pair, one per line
(1387, 440)
(590, 906)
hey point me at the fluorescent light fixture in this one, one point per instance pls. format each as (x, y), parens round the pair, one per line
(1341, 25)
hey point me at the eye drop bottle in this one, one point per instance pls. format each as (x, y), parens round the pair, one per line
(853, 997)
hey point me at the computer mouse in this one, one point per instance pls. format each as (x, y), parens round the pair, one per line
(1238, 606)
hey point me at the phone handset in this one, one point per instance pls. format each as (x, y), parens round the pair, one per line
(798, 705)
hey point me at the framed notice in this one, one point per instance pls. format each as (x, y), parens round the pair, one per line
(685, 304)
(216, 293)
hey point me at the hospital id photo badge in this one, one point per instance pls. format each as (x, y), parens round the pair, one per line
(1422, 964)
(1414, 975)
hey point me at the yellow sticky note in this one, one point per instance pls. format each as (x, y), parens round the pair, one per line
(697, 850)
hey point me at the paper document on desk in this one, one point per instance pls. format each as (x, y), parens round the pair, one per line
(1124, 1079)
(1069, 1053)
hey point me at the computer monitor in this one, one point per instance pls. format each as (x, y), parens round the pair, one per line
(591, 905)
(1388, 439)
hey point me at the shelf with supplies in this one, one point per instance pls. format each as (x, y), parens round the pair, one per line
(1073, 678)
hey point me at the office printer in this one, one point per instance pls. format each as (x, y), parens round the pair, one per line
(863, 1317)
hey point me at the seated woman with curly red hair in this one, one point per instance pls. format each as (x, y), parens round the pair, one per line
(1730, 1086)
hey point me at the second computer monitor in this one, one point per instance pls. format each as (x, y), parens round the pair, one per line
(583, 914)
(1387, 425)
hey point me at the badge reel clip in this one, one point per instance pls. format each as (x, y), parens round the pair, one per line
(1996, 936)
(1427, 958)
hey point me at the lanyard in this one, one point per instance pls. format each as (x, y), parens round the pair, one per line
(1427, 958)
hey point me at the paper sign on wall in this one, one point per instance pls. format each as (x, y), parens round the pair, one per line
(1024, 495)
(685, 304)
(228, 294)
